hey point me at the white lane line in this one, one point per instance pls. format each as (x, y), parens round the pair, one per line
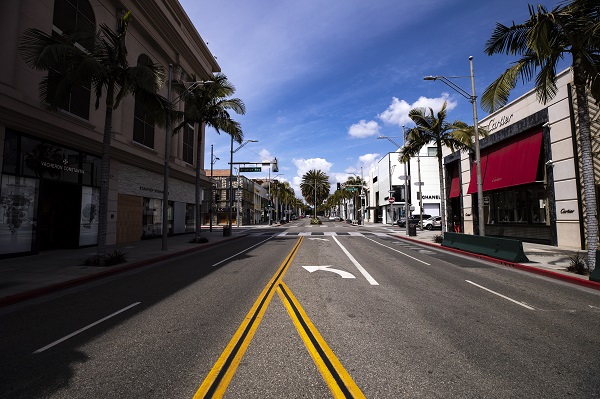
(84, 328)
(400, 252)
(361, 269)
(239, 253)
(501, 296)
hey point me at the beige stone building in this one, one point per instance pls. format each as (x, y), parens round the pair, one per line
(531, 173)
(50, 160)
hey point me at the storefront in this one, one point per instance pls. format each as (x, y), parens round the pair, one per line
(530, 173)
(49, 196)
(140, 204)
(516, 201)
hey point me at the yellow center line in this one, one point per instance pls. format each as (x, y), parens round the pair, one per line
(335, 375)
(220, 376)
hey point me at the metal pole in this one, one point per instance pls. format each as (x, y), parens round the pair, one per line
(210, 211)
(420, 192)
(269, 203)
(237, 218)
(315, 198)
(230, 185)
(477, 153)
(405, 188)
(362, 197)
(165, 210)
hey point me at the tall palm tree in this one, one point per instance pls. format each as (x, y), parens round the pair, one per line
(570, 29)
(209, 105)
(103, 62)
(434, 128)
(315, 187)
(355, 194)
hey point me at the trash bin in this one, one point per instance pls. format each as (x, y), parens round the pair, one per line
(412, 230)
(226, 231)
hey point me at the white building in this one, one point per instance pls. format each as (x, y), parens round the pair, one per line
(386, 181)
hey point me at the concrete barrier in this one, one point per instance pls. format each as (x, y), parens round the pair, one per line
(595, 276)
(499, 248)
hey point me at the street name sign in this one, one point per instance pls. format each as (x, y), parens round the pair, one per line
(250, 169)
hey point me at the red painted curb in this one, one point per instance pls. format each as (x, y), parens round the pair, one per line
(37, 292)
(531, 269)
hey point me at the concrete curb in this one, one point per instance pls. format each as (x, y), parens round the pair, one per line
(13, 299)
(527, 268)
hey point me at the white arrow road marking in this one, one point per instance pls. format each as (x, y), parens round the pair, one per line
(328, 268)
(320, 239)
(361, 269)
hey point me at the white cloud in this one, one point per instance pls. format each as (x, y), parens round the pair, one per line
(397, 112)
(266, 155)
(364, 129)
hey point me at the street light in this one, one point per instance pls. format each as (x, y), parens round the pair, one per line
(165, 210)
(473, 100)
(232, 151)
(213, 160)
(405, 183)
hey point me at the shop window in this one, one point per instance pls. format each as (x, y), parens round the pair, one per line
(70, 16)
(188, 144)
(91, 170)
(143, 121)
(152, 219)
(11, 153)
(522, 205)
(190, 220)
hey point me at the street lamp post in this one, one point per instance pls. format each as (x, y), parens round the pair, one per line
(165, 209)
(405, 182)
(473, 100)
(213, 159)
(231, 152)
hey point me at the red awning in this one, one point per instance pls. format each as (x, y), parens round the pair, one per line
(455, 184)
(513, 163)
(509, 164)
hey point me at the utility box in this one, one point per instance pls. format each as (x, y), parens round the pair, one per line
(412, 230)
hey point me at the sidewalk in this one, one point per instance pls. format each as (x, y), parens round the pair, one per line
(30, 276)
(34, 275)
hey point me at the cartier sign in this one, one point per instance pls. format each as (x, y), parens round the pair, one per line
(498, 123)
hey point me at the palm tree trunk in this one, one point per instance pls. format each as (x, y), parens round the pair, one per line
(198, 222)
(442, 192)
(104, 176)
(587, 166)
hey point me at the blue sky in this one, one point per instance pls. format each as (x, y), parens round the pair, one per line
(322, 79)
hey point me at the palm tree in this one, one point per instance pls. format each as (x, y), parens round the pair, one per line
(354, 194)
(572, 28)
(432, 128)
(209, 105)
(103, 62)
(315, 187)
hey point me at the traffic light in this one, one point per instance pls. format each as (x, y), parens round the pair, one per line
(338, 186)
(275, 165)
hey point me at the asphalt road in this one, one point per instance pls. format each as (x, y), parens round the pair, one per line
(373, 317)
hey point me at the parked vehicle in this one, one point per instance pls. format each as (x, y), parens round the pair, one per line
(434, 222)
(414, 219)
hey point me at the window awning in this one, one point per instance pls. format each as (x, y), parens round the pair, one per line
(510, 164)
(473, 183)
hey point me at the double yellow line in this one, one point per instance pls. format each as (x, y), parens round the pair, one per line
(339, 381)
